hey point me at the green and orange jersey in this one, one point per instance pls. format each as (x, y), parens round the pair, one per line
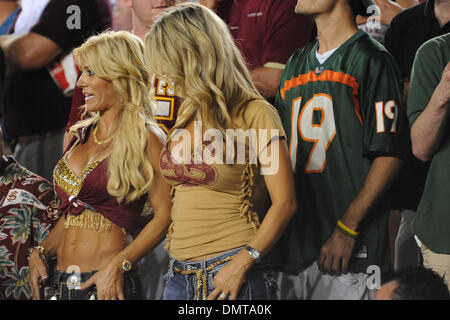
(338, 116)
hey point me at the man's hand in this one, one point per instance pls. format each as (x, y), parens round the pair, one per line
(228, 281)
(428, 130)
(38, 274)
(267, 80)
(442, 91)
(388, 9)
(335, 254)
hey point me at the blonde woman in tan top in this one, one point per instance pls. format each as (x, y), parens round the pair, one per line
(220, 227)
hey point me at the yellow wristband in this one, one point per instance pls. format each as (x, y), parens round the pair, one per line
(347, 229)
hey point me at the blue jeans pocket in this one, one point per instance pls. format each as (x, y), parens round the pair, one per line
(258, 285)
(177, 287)
(212, 274)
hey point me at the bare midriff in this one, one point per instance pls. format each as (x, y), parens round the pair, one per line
(89, 250)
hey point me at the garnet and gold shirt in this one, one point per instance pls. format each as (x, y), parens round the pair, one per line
(217, 207)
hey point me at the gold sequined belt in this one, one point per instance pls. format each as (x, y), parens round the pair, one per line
(201, 275)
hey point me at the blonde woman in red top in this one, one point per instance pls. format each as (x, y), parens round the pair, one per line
(104, 178)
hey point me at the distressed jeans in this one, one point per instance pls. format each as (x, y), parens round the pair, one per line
(197, 280)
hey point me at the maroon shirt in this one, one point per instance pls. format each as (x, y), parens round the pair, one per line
(94, 196)
(27, 215)
(266, 30)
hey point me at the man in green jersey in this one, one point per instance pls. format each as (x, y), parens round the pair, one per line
(428, 113)
(339, 100)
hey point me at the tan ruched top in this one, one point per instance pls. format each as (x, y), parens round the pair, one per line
(218, 207)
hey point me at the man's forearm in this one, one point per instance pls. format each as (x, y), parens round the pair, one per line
(378, 181)
(429, 127)
(267, 80)
(29, 51)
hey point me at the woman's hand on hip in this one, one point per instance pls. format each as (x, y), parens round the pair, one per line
(108, 280)
(228, 281)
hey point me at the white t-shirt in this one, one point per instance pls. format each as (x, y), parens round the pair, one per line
(29, 16)
(323, 57)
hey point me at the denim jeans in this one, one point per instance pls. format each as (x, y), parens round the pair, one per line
(260, 282)
(64, 286)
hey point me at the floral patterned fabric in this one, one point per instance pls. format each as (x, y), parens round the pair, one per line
(27, 214)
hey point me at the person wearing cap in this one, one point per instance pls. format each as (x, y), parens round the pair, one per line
(339, 101)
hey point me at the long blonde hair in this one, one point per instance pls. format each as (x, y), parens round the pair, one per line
(191, 46)
(119, 57)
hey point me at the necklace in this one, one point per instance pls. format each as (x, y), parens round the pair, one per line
(98, 141)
